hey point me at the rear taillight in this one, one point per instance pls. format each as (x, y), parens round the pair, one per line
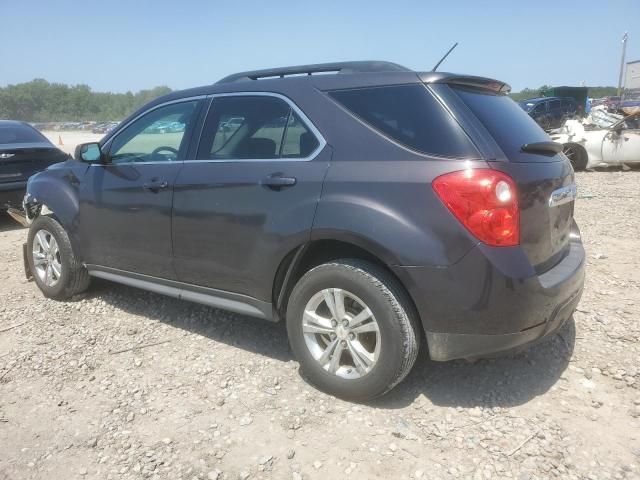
(485, 201)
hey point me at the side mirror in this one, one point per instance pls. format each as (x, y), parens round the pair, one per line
(89, 153)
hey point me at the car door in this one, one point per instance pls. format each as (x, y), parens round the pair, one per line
(622, 143)
(555, 113)
(539, 114)
(125, 202)
(250, 196)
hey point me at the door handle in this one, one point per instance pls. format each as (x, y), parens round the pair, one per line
(155, 185)
(277, 182)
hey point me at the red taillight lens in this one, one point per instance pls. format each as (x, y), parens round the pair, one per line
(485, 201)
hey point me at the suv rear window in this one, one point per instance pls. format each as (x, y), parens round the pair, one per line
(410, 115)
(20, 133)
(508, 124)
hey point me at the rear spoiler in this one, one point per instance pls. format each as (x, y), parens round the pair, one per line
(542, 147)
(482, 83)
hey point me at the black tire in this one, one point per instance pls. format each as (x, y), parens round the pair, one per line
(392, 309)
(74, 277)
(577, 155)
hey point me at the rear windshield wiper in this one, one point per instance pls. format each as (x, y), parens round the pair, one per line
(542, 147)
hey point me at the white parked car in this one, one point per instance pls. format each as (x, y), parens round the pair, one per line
(589, 146)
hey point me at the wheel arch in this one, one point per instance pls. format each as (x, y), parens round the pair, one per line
(322, 250)
(51, 195)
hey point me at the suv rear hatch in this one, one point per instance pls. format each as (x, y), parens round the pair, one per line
(544, 177)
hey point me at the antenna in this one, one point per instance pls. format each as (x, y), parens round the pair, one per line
(445, 56)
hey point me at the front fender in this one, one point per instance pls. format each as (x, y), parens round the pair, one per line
(56, 191)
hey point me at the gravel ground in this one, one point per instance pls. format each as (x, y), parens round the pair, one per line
(126, 384)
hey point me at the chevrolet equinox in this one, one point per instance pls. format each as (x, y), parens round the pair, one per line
(367, 205)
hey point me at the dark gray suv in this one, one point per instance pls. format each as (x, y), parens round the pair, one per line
(368, 205)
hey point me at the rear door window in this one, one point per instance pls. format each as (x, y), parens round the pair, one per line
(254, 128)
(411, 116)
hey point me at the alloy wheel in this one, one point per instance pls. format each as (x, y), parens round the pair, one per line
(341, 333)
(46, 258)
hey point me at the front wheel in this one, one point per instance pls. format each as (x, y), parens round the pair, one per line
(52, 262)
(353, 329)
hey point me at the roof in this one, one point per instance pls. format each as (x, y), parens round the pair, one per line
(536, 99)
(363, 66)
(12, 122)
(544, 99)
(324, 77)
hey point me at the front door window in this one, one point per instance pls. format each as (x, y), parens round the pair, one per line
(159, 136)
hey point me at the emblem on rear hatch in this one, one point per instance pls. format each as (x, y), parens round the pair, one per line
(563, 195)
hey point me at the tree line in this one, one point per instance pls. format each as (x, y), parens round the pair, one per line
(41, 101)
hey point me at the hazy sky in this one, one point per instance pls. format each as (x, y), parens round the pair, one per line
(123, 45)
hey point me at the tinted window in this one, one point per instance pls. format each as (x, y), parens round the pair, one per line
(254, 127)
(539, 109)
(507, 123)
(410, 115)
(155, 137)
(20, 133)
(298, 140)
(554, 104)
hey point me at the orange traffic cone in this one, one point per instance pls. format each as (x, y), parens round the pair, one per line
(60, 140)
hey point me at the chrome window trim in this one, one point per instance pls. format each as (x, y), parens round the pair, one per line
(305, 120)
(303, 117)
(166, 162)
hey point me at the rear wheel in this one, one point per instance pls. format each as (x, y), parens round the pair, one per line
(352, 328)
(576, 155)
(52, 262)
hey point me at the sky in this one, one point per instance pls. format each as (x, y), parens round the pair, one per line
(129, 45)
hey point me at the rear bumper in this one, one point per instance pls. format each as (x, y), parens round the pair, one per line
(492, 300)
(449, 346)
(11, 194)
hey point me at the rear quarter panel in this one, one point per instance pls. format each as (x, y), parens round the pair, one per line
(377, 194)
(389, 208)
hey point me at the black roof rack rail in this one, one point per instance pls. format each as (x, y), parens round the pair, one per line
(337, 67)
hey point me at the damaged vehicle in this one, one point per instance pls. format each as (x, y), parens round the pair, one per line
(601, 140)
(368, 206)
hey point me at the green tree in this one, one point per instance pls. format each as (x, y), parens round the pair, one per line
(41, 101)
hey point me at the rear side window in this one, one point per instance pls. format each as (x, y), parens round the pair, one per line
(507, 123)
(298, 140)
(20, 133)
(254, 128)
(410, 115)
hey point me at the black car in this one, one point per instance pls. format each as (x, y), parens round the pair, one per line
(23, 152)
(550, 112)
(369, 207)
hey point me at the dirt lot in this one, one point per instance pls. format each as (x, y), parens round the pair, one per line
(126, 384)
(67, 140)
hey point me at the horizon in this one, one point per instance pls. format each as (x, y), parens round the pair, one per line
(146, 89)
(150, 44)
